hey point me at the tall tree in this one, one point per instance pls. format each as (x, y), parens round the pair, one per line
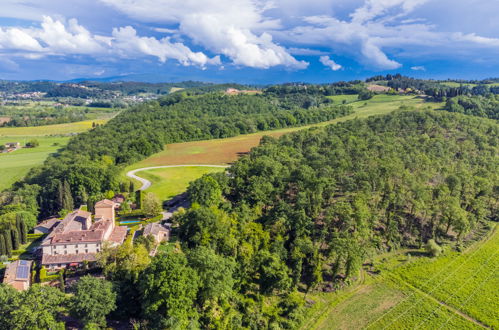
(93, 300)
(169, 287)
(151, 205)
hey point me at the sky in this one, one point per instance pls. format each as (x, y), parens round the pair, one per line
(248, 41)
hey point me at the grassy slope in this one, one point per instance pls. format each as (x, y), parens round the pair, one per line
(15, 165)
(407, 294)
(169, 182)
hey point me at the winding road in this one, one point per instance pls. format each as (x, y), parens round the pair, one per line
(146, 183)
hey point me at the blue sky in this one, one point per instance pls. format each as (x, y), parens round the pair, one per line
(250, 41)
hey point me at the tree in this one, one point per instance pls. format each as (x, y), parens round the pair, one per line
(205, 191)
(29, 313)
(215, 274)
(169, 287)
(8, 303)
(93, 300)
(151, 205)
(15, 238)
(64, 197)
(8, 242)
(3, 246)
(432, 248)
(32, 143)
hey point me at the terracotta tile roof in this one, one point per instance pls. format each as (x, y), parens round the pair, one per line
(67, 258)
(49, 224)
(105, 203)
(78, 236)
(118, 235)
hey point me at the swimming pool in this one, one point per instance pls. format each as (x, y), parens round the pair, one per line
(128, 222)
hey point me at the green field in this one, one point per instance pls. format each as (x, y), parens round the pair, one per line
(15, 165)
(454, 291)
(169, 182)
(338, 99)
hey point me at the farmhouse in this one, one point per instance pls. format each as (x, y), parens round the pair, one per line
(158, 231)
(18, 274)
(77, 239)
(10, 146)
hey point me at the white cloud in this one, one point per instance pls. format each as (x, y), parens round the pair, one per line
(129, 44)
(418, 68)
(234, 28)
(472, 37)
(56, 38)
(327, 61)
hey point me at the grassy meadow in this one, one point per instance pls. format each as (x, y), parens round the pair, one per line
(169, 182)
(454, 291)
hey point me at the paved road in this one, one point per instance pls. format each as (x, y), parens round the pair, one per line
(146, 183)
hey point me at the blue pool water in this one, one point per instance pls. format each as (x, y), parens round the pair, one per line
(128, 222)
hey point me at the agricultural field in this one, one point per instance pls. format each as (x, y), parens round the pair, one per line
(339, 99)
(169, 182)
(454, 291)
(58, 129)
(15, 165)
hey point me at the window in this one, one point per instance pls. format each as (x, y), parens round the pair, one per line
(86, 245)
(86, 250)
(77, 252)
(65, 246)
(65, 252)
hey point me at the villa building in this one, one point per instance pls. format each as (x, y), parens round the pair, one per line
(77, 239)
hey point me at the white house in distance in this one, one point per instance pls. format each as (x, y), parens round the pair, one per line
(77, 238)
(18, 274)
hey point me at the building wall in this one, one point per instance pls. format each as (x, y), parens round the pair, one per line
(79, 248)
(105, 212)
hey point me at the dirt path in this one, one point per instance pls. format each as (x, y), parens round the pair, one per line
(146, 183)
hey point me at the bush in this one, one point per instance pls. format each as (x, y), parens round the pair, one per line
(433, 249)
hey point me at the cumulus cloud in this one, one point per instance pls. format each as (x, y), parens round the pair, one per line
(234, 28)
(418, 68)
(56, 38)
(327, 61)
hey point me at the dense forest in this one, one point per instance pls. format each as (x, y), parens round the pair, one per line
(297, 214)
(480, 106)
(306, 210)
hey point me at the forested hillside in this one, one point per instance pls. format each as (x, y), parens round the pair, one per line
(89, 163)
(306, 210)
(480, 106)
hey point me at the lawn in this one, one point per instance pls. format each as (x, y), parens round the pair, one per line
(454, 291)
(15, 165)
(169, 182)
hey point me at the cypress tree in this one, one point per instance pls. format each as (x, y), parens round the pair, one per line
(3, 248)
(67, 198)
(8, 242)
(131, 187)
(21, 228)
(14, 233)
(60, 196)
